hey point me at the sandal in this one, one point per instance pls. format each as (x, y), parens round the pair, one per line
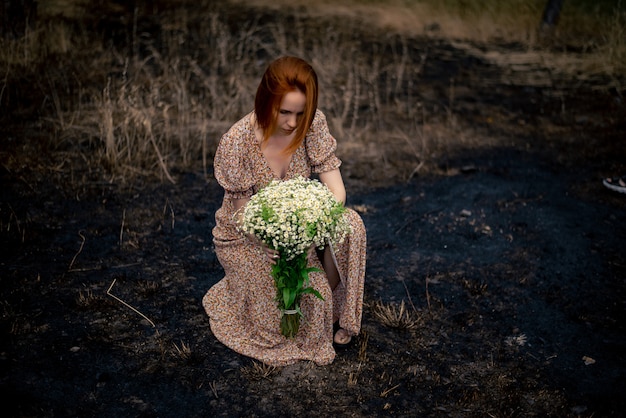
(617, 184)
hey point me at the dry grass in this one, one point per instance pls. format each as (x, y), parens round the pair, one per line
(85, 299)
(515, 19)
(159, 101)
(258, 371)
(590, 24)
(182, 351)
(164, 110)
(10, 224)
(395, 315)
(615, 46)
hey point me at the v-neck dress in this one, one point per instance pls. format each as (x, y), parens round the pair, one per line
(241, 307)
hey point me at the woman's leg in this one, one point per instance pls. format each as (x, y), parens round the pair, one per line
(326, 257)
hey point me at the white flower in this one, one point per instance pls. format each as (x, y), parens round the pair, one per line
(292, 215)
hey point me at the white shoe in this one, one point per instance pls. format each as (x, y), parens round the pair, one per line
(617, 184)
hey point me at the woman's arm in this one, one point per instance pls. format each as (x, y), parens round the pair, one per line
(333, 180)
(240, 203)
(238, 206)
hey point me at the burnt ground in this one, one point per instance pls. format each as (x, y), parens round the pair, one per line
(509, 260)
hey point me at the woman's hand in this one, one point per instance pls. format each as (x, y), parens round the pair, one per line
(238, 205)
(271, 254)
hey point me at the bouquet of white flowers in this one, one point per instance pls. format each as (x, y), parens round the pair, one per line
(292, 216)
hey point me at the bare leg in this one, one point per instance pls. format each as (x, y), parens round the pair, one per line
(332, 274)
(326, 257)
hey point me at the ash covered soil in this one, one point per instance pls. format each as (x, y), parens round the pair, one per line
(508, 261)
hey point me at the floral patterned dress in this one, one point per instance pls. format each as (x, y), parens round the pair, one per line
(242, 309)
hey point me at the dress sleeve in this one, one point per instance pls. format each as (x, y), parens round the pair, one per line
(232, 165)
(321, 146)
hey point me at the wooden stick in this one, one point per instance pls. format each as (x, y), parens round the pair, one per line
(122, 228)
(408, 294)
(82, 244)
(127, 305)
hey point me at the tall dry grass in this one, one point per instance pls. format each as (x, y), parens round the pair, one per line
(162, 101)
(153, 94)
(584, 23)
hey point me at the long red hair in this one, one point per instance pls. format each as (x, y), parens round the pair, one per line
(284, 75)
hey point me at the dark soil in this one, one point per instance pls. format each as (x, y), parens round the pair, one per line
(509, 260)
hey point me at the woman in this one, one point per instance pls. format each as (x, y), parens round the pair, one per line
(284, 137)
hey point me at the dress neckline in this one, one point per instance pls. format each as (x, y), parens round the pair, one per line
(257, 146)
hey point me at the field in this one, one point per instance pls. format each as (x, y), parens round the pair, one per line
(473, 146)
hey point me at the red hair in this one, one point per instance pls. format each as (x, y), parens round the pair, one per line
(284, 75)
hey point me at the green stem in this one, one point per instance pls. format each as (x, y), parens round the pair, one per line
(291, 278)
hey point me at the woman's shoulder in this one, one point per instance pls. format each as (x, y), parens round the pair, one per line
(319, 118)
(321, 145)
(242, 129)
(232, 163)
(237, 140)
(319, 126)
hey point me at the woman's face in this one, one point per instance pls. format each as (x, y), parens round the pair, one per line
(290, 113)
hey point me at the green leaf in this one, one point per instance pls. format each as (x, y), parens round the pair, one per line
(310, 290)
(289, 295)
